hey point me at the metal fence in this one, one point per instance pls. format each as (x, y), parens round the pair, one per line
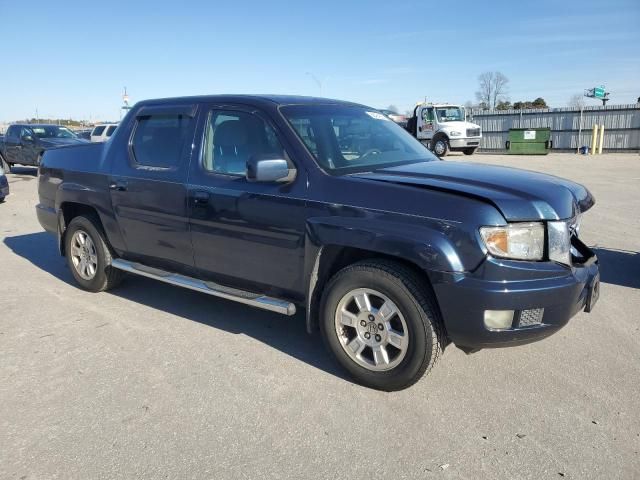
(570, 127)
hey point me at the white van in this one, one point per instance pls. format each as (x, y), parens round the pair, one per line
(102, 132)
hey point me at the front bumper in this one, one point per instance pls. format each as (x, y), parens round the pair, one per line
(464, 142)
(472, 142)
(511, 285)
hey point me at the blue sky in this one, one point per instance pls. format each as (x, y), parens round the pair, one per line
(72, 59)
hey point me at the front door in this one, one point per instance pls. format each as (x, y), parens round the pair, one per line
(148, 187)
(29, 151)
(426, 123)
(244, 234)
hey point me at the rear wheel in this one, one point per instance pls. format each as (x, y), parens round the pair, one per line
(441, 146)
(88, 256)
(381, 324)
(469, 151)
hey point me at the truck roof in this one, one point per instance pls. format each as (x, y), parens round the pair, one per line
(22, 124)
(250, 99)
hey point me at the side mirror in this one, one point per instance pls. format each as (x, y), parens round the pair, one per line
(269, 168)
(27, 139)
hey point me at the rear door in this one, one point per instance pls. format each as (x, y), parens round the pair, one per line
(148, 186)
(96, 133)
(246, 234)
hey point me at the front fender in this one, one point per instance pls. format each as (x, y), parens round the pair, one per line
(431, 245)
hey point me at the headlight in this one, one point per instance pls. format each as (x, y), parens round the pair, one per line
(518, 241)
(454, 134)
(559, 242)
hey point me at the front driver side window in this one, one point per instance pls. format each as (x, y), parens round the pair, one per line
(232, 137)
(428, 115)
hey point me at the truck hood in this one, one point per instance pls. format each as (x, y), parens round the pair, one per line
(459, 126)
(520, 195)
(59, 142)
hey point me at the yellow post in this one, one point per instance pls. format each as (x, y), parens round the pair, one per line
(594, 139)
(600, 139)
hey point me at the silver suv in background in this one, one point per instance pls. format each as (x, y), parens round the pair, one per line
(102, 132)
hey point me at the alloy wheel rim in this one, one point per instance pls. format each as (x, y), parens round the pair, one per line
(83, 255)
(371, 329)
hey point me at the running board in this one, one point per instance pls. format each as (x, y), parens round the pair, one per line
(210, 288)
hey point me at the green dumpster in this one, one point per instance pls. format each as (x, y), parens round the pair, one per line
(529, 141)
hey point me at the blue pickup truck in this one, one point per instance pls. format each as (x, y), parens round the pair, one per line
(328, 207)
(25, 143)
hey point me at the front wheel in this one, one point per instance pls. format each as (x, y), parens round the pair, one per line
(441, 146)
(381, 324)
(469, 151)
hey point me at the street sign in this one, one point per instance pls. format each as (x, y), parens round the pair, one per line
(598, 92)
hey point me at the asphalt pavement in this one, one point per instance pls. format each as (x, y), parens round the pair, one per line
(152, 381)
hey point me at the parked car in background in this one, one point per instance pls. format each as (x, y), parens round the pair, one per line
(4, 185)
(24, 144)
(102, 132)
(396, 117)
(287, 203)
(85, 134)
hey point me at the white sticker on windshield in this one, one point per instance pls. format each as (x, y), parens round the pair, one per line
(378, 116)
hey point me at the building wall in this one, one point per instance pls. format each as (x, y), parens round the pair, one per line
(621, 123)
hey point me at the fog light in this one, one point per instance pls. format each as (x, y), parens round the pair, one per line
(498, 319)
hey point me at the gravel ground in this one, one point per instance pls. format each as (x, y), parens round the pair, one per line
(152, 381)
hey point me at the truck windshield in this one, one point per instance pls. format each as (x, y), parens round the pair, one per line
(52, 131)
(450, 114)
(348, 139)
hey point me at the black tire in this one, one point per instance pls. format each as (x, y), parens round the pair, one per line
(5, 165)
(426, 338)
(440, 145)
(106, 277)
(469, 151)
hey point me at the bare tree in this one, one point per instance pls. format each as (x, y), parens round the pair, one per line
(576, 101)
(492, 88)
(393, 108)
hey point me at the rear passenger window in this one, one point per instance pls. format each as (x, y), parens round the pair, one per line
(111, 129)
(159, 140)
(98, 131)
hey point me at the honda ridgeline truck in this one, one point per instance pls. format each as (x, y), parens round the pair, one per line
(443, 128)
(302, 204)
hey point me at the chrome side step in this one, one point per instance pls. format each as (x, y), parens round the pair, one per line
(210, 288)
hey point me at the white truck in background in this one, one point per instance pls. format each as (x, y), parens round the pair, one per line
(443, 127)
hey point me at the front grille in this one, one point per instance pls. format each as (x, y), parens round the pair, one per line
(473, 132)
(529, 318)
